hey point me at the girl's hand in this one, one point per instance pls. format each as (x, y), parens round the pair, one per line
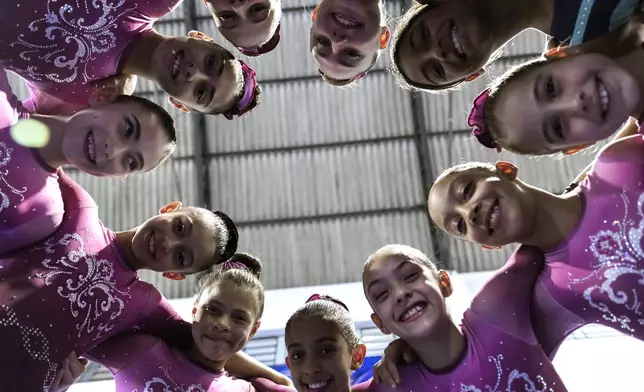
(386, 370)
(108, 88)
(71, 369)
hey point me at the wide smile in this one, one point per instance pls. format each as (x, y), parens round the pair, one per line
(216, 339)
(493, 218)
(345, 21)
(175, 63)
(412, 312)
(604, 97)
(457, 42)
(89, 147)
(318, 386)
(152, 245)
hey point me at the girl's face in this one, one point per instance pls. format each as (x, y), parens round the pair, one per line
(404, 295)
(319, 356)
(480, 206)
(246, 23)
(566, 103)
(177, 240)
(197, 73)
(446, 43)
(345, 37)
(225, 320)
(118, 138)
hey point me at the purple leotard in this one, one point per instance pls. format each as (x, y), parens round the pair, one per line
(31, 206)
(70, 292)
(142, 362)
(62, 46)
(502, 353)
(596, 275)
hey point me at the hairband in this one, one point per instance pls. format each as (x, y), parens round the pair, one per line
(229, 265)
(250, 84)
(322, 297)
(233, 237)
(264, 48)
(476, 120)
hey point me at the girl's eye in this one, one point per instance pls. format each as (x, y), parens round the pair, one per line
(327, 350)
(550, 88)
(182, 259)
(460, 226)
(323, 41)
(381, 296)
(132, 164)
(210, 62)
(226, 15)
(352, 53)
(258, 8)
(180, 227)
(411, 276)
(296, 356)
(129, 129)
(467, 190)
(557, 128)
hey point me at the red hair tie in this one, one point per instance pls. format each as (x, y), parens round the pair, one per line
(322, 297)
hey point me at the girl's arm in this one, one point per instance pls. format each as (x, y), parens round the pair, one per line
(244, 366)
(163, 321)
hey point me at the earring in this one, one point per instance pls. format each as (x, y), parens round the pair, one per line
(384, 39)
(173, 276)
(556, 53)
(574, 150)
(474, 76)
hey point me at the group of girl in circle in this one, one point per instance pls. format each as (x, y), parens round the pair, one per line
(69, 289)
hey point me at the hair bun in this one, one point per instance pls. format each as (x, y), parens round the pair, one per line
(251, 263)
(233, 237)
(323, 297)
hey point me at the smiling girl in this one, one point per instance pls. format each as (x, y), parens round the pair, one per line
(493, 349)
(253, 26)
(439, 45)
(568, 102)
(226, 314)
(347, 38)
(61, 48)
(80, 287)
(591, 236)
(323, 346)
(111, 138)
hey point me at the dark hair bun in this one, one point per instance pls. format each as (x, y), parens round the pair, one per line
(252, 262)
(233, 237)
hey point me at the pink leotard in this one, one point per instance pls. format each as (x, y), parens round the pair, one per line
(71, 292)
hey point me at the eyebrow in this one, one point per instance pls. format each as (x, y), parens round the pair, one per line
(396, 269)
(320, 340)
(450, 191)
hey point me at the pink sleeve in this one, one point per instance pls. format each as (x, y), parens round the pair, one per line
(619, 163)
(505, 299)
(265, 385)
(122, 350)
(43, 103)
(163, 321)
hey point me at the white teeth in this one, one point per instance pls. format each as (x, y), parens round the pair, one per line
(318, 385)
(457, 42)
(493, 217)
(603, 97)
(344, 21)
(175, 65)
(409, 313)
(151, 244)
(91, 148)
